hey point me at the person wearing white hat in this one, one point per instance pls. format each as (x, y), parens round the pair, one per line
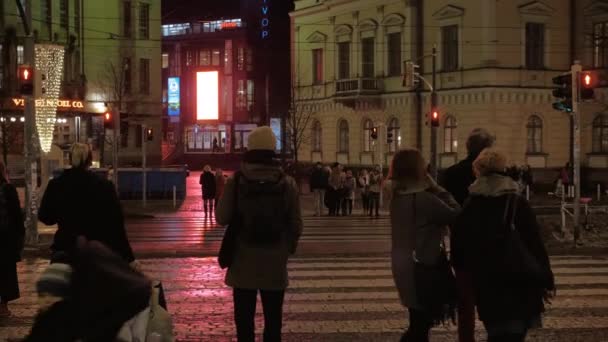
(261, 202)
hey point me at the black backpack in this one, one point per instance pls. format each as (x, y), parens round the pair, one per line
(263, 211)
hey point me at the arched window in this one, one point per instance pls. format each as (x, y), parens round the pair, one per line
(450, 138)
(600, 134)
(535, 134)
(316, 136)
(343, 136)
(394, 135)
(367, 135)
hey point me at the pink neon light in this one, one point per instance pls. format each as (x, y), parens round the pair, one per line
(207, 95)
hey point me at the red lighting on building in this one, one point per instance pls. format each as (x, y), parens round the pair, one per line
(207, 95)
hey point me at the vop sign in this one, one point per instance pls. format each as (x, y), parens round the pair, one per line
(265, 21)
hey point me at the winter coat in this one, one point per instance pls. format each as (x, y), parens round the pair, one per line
(319, 179)
(458, 178)
(105, 293)
(208, 185)
(421, 231)
(350, 185)
(11, 242)
(257, 267)
(375, 183)
(82, 203)
(499, 298)
(336, 180)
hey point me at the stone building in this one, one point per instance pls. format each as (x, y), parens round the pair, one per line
(495, 64)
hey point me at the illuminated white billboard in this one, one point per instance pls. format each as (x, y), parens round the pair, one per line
(207, 95)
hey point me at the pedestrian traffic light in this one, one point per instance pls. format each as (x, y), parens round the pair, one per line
(435, 118)
(562, 90)
(108, 120)
(587, 83)
(389, 137)
(26, 80)
(410, 74)
(149, 134)
(374, 133)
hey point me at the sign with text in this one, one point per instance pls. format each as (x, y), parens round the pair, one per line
(59, 103)
(173, 96)
(207, 95)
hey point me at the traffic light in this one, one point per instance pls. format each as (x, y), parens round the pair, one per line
(374, 133)
(108, 120)
(149, 134)
(587, 83)
(389, 136)
(435, 118)
(410, 74)
(563, 91)
(26, 80)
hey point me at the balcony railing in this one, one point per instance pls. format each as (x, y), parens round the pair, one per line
(358, 86)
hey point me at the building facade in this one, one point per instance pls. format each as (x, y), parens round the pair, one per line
(495, 64)
(98, 37)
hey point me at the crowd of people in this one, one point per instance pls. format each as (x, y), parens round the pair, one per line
(495, 260)
(338, 189)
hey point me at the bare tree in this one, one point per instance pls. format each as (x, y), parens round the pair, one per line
(299, 117)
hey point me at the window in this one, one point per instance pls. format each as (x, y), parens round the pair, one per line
(316, 136)
(449, 53)
(19, 54)
(450, 139)
(317, 66)
(240, 59)
(144, 76)
(249, 59)
(138, 135)
(124, 134)
(126, 62)
(215, 57)
(204, 57)
(241, 95)
(600, 45)
(127, 21)
(393, 128)
(228, 57)
(535, 134)
(344, 60)
(175, 29)
(77, 16)
(250, 94)
(367, 135)
(144, 21)
(367, 60)
(63, 14)
(343, 136)
(535, 46)
(394, 54)
(600, 134)
(165, 60)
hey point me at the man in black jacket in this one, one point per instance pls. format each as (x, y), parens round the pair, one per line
(84, 204)
(318, 185)
(457, 180)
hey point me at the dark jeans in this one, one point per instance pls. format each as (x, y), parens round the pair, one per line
(374, 203)
(208, 204)
(419, 328)
(365, 202)
(466, 307)
(507, 338)
(347, 206)
(244, 314)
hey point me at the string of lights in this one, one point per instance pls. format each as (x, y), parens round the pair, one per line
(49, 64)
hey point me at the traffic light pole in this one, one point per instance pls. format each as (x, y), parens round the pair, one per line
(31, 177)
(576, 148)
(115, 138)
(433, 107)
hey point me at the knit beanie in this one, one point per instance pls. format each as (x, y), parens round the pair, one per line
(262, 138)
(55, 280)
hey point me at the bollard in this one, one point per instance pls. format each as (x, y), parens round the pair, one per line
(174, 197)
(527, 192)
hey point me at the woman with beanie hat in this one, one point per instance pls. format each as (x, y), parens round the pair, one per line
(262, 204)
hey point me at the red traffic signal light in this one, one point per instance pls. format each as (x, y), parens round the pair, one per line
(435, 118)
(587, 82)
(149, 134)
(108, 120)
(374, 133)
(26, 80)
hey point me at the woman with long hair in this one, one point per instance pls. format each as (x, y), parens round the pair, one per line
(11, 242)
(420, 210)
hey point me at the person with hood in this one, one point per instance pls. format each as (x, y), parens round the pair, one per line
(12, 232)
(318, 185)
(419, 213)
(457, 180)
(262, 204)
(497, 240)
(82, 203)
(209, 188)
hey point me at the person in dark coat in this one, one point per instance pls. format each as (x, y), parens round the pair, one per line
(82, 203)
(209, 188)
(457, 180)
(319, 181)
(508, 303)
(12, 233)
